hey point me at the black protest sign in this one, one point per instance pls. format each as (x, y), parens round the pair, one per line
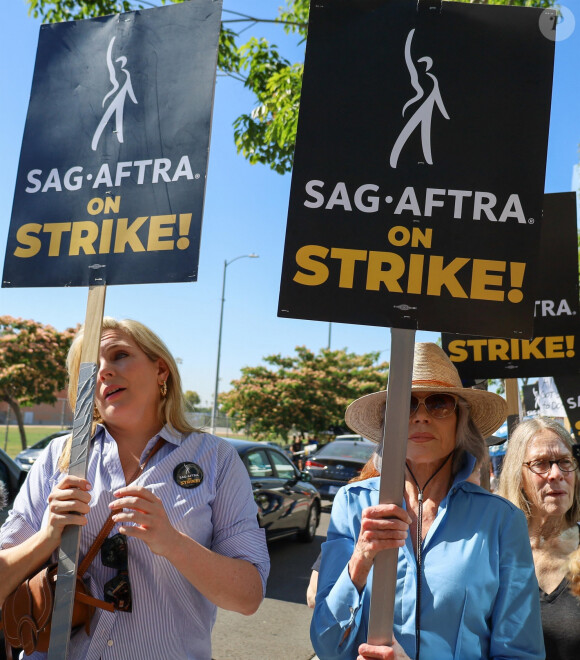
(555, 348)
(417, 187)
(531, 400)
(112, 172)
(569, 391)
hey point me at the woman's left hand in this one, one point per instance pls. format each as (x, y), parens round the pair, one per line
(137, 505)
(370, 652)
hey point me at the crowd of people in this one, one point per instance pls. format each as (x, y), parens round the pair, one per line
(479, 575)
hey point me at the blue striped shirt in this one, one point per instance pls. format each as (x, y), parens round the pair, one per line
(170, 618)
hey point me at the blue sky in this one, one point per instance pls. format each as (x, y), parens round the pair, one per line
(245, 212)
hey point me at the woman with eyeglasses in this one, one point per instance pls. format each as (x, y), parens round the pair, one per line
(466, 588)
(540, 476)
(185, 538)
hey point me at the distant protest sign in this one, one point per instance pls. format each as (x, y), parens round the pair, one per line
(112, 172)
(569, 391)
(555, 348)
(417, 188)
(549, 400)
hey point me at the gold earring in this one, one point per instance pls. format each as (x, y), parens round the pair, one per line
(163, 389)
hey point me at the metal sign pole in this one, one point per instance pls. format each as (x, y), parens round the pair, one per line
(83, 417)
(392, 484)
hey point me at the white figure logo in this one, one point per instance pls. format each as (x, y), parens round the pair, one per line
(119, 94)
(424, 113)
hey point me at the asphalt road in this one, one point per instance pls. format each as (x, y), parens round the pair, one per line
(280, 629)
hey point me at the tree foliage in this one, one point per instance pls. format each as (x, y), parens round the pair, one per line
(32, 364)
(192, 400)
(308, 392)
(267, 133)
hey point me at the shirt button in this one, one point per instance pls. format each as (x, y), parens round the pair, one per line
(110, 642)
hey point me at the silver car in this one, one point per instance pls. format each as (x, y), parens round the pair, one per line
(26, 458)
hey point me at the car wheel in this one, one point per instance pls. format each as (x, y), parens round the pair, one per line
(309, 532)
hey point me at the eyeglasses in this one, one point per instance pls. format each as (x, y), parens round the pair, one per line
(566, 464)
(114, 554)
(437, 405)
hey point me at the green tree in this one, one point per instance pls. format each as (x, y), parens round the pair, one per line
(267, 133)
(192, 400)
(32, 364)
(307, 392)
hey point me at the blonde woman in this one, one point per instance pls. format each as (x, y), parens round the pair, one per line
(186, 538)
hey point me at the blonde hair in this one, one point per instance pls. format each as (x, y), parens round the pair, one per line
(574, 572)
(171, 407)
(511, 481)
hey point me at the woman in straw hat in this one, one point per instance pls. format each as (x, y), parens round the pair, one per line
(540, 476)
(466, 587)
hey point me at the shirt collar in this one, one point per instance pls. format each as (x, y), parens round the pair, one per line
(467, 467)
(168, 433)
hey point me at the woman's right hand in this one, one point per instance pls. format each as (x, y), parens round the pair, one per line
(394, 652)
(68, 504)
(383, 527)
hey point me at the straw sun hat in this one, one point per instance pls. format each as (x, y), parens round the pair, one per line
(433, 371)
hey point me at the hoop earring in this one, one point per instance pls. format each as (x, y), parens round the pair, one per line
(163, 389)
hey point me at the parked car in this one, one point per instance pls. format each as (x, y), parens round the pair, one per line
(353, 437)
(337, 463)
(287, 502)
(26, 458)
(12, 477)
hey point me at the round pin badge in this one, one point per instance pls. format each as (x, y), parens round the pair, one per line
(188, 475)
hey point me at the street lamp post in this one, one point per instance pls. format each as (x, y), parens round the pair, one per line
(217, 371)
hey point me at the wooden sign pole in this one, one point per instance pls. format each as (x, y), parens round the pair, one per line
(392, 484)
(83, 418)
(513, 403)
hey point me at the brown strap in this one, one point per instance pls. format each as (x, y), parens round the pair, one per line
(94, 602)
(110, 523)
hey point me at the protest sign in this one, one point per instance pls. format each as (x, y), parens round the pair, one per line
(412, 203)
(531, 400)
(111, 183)
(112, 172)
(569, 391)
(548, 399)
(555, 347)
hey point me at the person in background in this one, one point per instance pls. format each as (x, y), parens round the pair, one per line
(540, 476)
(497, 452)
(185, 528)
(494, 460)
(297, 449)
(369, 470)
(466, 586)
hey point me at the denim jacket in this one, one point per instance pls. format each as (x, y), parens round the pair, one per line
(479, 595)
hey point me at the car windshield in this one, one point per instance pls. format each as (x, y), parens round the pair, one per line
(359, 451)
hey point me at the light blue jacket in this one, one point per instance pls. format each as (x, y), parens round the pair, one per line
(479, 595)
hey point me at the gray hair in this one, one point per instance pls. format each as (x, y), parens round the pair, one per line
(511, 480)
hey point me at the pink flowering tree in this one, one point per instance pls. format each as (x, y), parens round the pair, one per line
(32, 364)
(308, 392)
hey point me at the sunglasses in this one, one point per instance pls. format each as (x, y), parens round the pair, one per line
(115, 554)
(437, 405)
